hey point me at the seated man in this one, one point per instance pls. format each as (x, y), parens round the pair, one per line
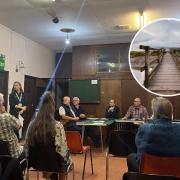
(78, 109)
(112, 111)
(68, 116)
(136, 111)
(158, 137)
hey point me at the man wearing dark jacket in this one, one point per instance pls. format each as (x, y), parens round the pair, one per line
(112, 111)
(79, 111)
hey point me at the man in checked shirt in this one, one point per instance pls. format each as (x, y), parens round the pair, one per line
(136, 111)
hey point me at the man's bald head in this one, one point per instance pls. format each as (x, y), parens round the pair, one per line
(66, 100)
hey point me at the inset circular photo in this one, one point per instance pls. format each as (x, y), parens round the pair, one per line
(154, 57)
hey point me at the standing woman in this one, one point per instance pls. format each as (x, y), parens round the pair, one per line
(17, 101)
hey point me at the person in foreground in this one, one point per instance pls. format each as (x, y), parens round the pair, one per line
(158, 137)
(44, 129)
(136, 111)
(8, 124)
(112, 111)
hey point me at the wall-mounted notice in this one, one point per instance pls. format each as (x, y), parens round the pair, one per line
(94, 81)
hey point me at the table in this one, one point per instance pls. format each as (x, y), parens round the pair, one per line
(101, 122)
(120, 122)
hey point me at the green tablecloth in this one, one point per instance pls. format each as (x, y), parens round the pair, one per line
(95, 122)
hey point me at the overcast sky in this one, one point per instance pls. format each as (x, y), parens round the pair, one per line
(160, 34)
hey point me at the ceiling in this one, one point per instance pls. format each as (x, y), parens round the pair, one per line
(164, 33)
(93, 20)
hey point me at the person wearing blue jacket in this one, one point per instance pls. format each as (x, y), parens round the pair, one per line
(158, 137)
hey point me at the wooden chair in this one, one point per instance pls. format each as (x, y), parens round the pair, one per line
(75, 145)
(139, 176)
(151, 164)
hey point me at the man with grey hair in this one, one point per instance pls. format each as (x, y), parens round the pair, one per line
(79, 111)
(159, 137)
(8, 124)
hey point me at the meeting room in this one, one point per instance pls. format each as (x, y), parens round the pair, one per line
(89, 89)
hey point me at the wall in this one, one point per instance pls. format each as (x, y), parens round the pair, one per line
(120, 86)
(38, 60)
(64, 69)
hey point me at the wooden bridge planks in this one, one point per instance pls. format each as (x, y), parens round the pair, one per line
(167, 76)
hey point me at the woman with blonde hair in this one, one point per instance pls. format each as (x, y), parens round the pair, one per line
(159, 137)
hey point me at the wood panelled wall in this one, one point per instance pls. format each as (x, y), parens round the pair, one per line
(120, 86)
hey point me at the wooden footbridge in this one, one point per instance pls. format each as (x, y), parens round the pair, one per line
(164, 77)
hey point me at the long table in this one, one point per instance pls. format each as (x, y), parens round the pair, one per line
(100, 122)
(121, 122)
(103, 122)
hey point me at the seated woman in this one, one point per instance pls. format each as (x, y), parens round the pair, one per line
(8, 124)
(158, 137)
(44, 127)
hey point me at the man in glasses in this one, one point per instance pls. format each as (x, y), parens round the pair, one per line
(136, 111)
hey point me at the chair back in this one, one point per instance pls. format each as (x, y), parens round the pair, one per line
(138, 176)
(74, 141)
(4, 150)
(152, 164)
(45, 158)
(10, 168)
(122, 143)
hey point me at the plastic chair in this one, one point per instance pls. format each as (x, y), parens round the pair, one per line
(121, 143)
(139, 176)
(10, 166)
(151, 164)
(75, 145)
(44, 158)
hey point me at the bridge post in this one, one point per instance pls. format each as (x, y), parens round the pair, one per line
(146, 67)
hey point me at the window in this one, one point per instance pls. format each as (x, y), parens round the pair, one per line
(112, 59)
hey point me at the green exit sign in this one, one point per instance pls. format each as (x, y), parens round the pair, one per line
(2, 62)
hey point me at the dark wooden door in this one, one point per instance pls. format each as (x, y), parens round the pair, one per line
(31, 93)
(4, 78)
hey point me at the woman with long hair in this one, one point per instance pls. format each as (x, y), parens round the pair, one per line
(18, 104)
(17, 100)
(44, 128)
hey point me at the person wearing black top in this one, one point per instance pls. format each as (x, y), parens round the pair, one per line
(18, 104)
(79, 111)
(17, 100)
(112, 111)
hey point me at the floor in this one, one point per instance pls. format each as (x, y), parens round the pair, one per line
(167, 76)
(117, 167)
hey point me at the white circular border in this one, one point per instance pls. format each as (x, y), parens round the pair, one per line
(139, 31)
